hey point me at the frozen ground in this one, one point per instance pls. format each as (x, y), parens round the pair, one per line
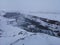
(11, 36)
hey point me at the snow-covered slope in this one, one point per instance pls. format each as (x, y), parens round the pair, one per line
(33, 23)
(12, 33)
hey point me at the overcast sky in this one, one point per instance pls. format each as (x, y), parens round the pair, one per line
(30, 5)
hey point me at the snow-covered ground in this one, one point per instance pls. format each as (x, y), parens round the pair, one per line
(16, 36)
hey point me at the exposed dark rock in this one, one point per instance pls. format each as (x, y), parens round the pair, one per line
(50, 21)
(12, 15)
(58, 33)
(20, 33)
(1, 30)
